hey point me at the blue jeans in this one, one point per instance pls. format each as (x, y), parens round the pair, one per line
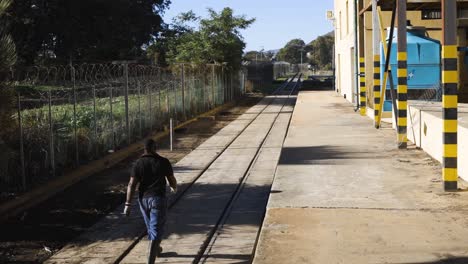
(154, 209)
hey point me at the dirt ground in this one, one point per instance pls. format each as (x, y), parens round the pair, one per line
(38, 233)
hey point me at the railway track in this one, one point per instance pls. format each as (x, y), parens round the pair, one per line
(225, 198)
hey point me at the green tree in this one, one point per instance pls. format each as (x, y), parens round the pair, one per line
(164, 46)
(217, 40)
(321, 51)
(84, 29)
(7, 47)
(291, 52)
(7, 60)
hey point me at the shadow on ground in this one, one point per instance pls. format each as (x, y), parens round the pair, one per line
(115, 227)
(324, 155)
(449, 260)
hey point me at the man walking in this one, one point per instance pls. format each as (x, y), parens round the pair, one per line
(150, 171)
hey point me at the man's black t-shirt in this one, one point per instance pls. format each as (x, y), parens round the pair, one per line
(151, 171)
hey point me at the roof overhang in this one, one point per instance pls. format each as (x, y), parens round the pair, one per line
(411, 5)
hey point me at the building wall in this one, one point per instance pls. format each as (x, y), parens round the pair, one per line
(344, 49)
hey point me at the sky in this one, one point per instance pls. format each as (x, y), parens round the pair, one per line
(276, 23)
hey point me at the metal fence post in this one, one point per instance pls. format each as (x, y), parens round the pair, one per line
(150, 110)
(174, 88)
(95, 122)
(168, 108)
(139, 109)
(127, 121)
(159, 95)
(189, 94)
(112, 117)
(75, 129)
(51, 137)
(183, 92)
(205, 101)
(213, 102)
(230, 84)
(171, 133)
(21, 137)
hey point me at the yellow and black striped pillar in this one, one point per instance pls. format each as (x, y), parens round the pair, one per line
(450, 95)
(362, 86)
(402, 74)
(376, 63)
(377, 100)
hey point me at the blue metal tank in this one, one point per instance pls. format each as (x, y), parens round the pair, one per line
(423, 64)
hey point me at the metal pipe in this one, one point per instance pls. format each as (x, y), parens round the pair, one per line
(356, 53)
(387, 70)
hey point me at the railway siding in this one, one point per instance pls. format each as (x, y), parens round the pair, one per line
(105, 241)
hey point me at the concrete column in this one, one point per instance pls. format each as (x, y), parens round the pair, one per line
(402, 74)
(376, 56)
(450, 95)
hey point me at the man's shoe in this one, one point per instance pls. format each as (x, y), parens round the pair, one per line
(160, 250)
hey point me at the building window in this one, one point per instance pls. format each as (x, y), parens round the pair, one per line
(431, 14)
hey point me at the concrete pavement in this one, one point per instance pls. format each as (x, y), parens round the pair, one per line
(344, 193)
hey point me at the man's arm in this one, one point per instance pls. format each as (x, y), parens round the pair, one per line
(131, 189)
(170, 177)
(172, 181)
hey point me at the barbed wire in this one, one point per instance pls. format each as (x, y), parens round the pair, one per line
(70, 115)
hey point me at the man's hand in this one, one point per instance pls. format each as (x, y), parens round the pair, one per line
(173, 190)
(126, 211)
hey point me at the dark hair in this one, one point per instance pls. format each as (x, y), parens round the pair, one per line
(150, 144)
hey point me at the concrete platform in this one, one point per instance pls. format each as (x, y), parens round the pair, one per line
(343, 193)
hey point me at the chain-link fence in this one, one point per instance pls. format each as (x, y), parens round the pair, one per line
(70, 115)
